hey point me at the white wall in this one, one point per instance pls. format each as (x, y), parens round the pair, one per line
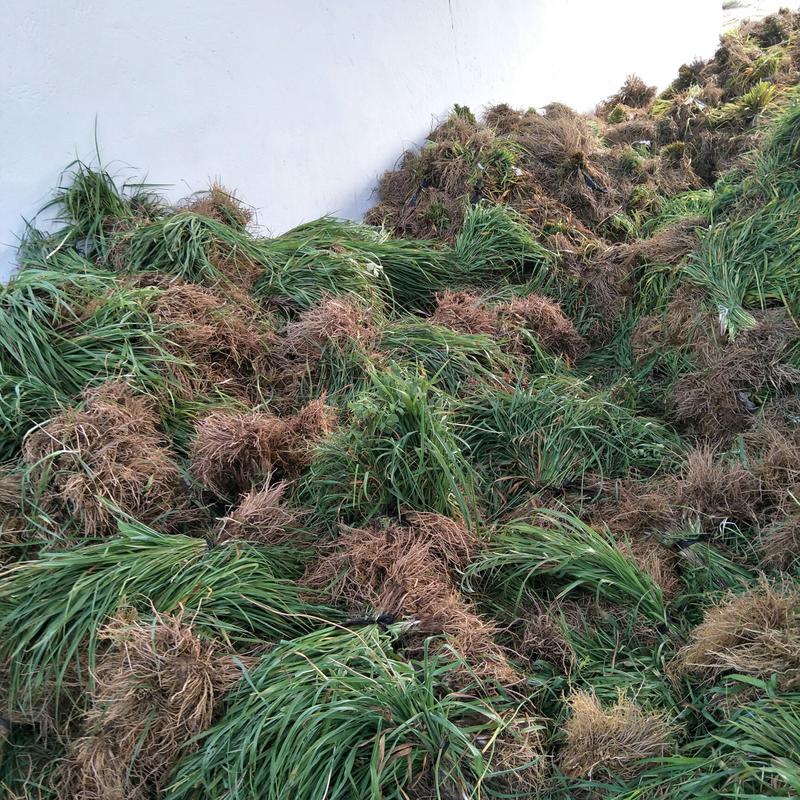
(300, 104)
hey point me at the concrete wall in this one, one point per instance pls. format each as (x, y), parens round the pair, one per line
(300, 104)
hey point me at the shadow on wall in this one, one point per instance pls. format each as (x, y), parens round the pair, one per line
(300, 106)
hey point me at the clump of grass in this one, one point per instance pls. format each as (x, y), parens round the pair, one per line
(28, 764)
(400, 451)
(562, 549)
(232, 591)
(495, 240)
(93, 207)
(745, 261)
(752, 753)
(324, 258)
(748, 106)
(553, 433)
(63, 332)
(220, 204)
(329, 348)
(386, 728)
(192, 246)
(634, 93)
(315, 260)
(451, 360)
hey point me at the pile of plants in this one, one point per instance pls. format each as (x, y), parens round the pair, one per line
(494, 495)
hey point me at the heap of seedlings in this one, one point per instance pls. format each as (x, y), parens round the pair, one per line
(494, 495)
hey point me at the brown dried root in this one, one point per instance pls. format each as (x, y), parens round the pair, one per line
(709, 488)
(547, 321)
(262, 517)
(636, 507)
(716, 489)
(614, 741)
(364, 565)
(157, 687)
(543, 637)
(603, 273)
(468, 312)
(780, 541)
(228, 349)
(405, 571)
(469, 636)
(686, 325)
(450, 542)
(634, 93)
(335, 325)
(655, 560)
(338, 322)
(221, 205)
(10, 490)
(715, 400)
(774, 450)
(756, 633)
(670, 245)
(519, 750)
(109, 451)
(234, 452)
(560, 152)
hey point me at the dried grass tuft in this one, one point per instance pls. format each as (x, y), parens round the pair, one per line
(108, 451)
(603, 273)
(611, 742)
(756, 633)
(158, 686)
